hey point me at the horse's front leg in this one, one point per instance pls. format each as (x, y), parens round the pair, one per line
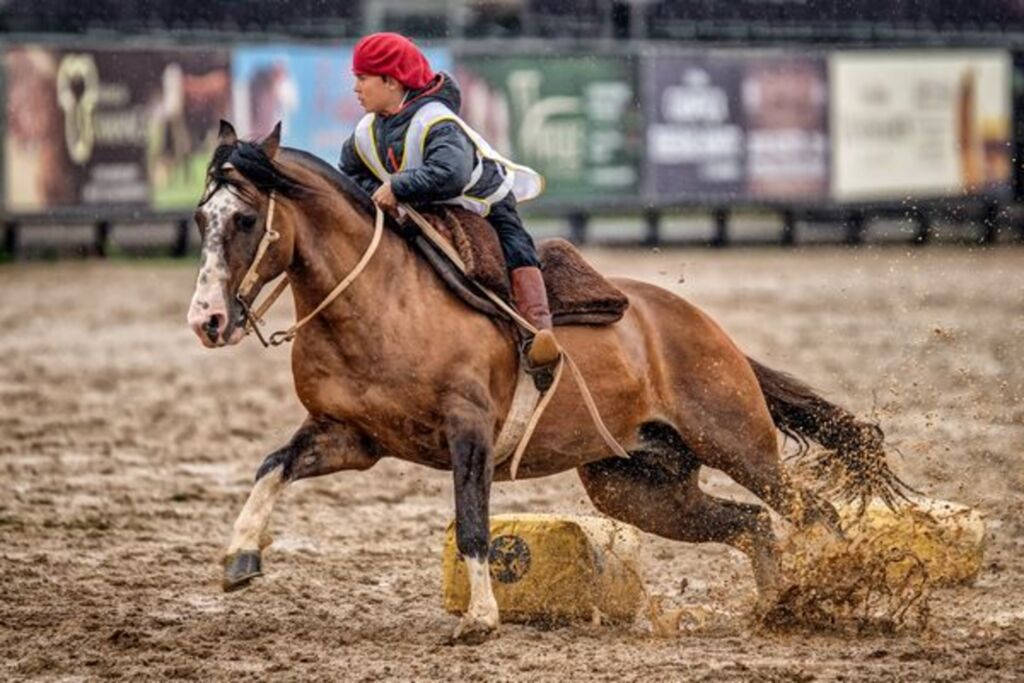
(469, 426)
(318, 447)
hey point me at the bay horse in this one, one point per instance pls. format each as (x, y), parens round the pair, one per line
(399, 367)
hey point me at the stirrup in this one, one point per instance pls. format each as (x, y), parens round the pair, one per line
(541, 347)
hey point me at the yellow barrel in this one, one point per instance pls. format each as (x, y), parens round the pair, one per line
(554, 568)
(949, 538)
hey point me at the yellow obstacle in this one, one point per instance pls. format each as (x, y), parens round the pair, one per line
(949, 538)
(554, 567)
(884, 568)
(927, 542)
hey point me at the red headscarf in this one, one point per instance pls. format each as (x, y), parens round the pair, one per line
(391, 54)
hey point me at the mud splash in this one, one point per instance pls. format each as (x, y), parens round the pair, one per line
(864, 583)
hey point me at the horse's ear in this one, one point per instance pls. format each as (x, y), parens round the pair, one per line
(272, 142)
(226, 135)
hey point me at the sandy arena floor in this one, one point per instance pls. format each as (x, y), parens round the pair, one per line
(127, 450)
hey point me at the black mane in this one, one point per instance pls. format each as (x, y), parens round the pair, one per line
(249, 159)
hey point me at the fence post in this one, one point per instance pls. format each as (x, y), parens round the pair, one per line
(855, 227)
(788, 237)
(101, 238)
(989, 223)
(721, 219)
(181, 238)
(652, 236)
(924, 227)
(578, 227)
(12, 238)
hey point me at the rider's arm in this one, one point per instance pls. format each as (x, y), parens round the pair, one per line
(447, 166)
(352, 166)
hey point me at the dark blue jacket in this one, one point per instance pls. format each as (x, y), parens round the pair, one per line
(448, 155)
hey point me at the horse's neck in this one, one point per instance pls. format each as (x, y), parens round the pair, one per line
(331, 237)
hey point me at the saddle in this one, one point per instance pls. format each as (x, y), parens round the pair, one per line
(577, 293)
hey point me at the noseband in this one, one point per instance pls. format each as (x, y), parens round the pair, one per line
(253, 319)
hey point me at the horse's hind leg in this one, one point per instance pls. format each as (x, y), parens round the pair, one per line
(749, 453)
(664, 499)
(318, 447)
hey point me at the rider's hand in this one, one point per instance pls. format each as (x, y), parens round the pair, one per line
(385, 198)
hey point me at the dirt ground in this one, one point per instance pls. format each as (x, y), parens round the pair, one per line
(127, 450)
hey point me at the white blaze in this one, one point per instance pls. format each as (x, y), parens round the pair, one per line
(212, 281)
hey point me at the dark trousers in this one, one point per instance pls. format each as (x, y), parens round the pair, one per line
(516, 243)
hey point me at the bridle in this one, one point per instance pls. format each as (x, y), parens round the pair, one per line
(254, 318)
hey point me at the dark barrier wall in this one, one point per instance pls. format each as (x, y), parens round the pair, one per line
(741, 127)
(110, 128)
(943, 15)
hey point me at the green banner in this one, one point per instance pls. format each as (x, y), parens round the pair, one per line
(573, 119)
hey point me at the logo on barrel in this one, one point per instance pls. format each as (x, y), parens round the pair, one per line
(509, 558)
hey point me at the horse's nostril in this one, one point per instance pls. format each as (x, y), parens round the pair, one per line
(212, 326)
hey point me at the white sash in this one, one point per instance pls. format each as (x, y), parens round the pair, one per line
(523, 182)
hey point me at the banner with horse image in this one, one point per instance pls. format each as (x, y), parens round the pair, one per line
(736, 126)
(308, 88)
(573, 119)
(114, 129)
(921, 124)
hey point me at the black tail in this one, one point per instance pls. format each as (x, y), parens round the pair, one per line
(856, 446)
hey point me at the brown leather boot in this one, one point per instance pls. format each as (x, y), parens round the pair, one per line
(531, 300)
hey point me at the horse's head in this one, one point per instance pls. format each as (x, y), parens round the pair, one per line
(244, 186)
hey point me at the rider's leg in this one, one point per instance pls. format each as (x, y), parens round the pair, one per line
(528, 291)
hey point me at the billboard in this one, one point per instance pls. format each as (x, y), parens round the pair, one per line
(573, 119)
(923, 124)
(126, 128)
(307, 88)
(736, 126)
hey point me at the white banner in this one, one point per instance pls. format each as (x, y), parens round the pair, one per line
(919, 124)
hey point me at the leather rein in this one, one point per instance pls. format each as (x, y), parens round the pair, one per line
(253, 319)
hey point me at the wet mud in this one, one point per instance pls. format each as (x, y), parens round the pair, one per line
(126, 450)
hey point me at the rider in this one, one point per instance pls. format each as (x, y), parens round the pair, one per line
(412, 147)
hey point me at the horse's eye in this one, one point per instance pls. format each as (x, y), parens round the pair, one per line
(247, 222)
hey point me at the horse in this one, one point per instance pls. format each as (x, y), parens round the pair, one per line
(399, 367)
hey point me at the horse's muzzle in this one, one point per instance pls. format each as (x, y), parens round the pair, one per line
(214, 328)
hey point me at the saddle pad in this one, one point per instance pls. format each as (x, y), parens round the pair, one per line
(577, 293)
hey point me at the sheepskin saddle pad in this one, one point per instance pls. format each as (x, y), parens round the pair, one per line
(577, 293)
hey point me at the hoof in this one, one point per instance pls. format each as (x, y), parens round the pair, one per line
(241, 568)
(473, 631)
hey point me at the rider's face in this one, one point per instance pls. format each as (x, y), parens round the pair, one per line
(378, 94)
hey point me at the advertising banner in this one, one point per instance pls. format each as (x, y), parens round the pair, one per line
(785, 115)
(573, 119)
(735, 126)
(921, 124)
(307, 88)
(110, 128)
